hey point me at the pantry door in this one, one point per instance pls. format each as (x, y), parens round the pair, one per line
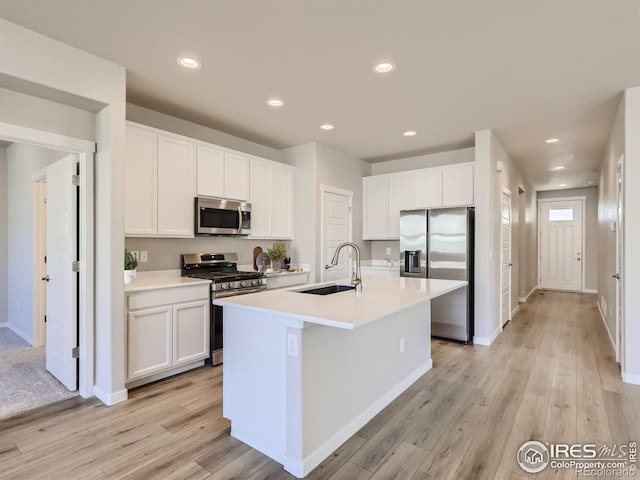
(336, 229)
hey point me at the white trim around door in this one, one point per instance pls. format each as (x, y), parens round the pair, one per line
(563, 203)
(85, 150)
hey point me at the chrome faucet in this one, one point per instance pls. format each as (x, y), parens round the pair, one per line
(356, 280)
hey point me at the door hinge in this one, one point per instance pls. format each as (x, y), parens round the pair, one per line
(45, 319)
(75, 180)
(75, 266)
(75, 352)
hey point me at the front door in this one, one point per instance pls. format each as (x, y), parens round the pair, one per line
(336, 229)
(62, 281)
(561, 234)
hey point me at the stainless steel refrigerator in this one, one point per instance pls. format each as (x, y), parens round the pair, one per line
(438, 243)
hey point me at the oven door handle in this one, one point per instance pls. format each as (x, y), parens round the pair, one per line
(239, 220)
(218, 295)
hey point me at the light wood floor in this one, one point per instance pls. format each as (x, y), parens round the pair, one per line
(550, 376)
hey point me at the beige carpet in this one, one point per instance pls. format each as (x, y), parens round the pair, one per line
(24, 381)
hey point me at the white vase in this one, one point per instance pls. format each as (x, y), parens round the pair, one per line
(129, 276)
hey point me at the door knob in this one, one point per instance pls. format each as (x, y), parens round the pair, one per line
(616, 276)
(46, 278)
(510, 264)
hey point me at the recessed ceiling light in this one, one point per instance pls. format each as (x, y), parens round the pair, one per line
(559, 167)
(562, 185)
(552, 140)
(275, 102)
(327, 126)
(189, 62)
(410, 133)
(384, 67)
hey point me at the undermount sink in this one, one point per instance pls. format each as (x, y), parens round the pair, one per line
(327, 290)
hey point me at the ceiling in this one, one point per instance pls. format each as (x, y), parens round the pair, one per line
(528, 70)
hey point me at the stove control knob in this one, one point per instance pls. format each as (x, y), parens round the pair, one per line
(230, 285)
(242, 284)
(254, 282)
(222, 286)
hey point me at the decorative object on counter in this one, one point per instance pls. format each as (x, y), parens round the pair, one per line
(276, 255)
(261, 261)
(130, 264)
(256, 252)
(287, 263)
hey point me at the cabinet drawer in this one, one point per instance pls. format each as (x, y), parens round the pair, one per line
(167, 296)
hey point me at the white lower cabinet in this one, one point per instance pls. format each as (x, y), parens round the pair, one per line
(167, 329)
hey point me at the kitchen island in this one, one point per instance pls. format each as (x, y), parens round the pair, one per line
(304, 372)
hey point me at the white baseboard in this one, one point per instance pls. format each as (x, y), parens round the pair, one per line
(632, 378)
(301, 468)
(21, 334)
(606, 326)
(524, 299)
(514, 311)
(589, 290)
(486, 341)
(4, 325)
(110, 398)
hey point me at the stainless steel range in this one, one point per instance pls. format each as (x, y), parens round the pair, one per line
(226, 281)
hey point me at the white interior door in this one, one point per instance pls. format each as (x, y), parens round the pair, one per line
(619, 266)
(561, 233)
(336, 229)
(505, 256)
(62, 283)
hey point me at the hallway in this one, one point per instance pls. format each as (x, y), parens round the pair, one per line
(550, 376)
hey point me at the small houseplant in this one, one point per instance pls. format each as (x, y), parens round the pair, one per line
(277, 255)
(130, 264)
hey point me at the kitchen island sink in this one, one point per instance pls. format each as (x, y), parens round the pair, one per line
(327, 290)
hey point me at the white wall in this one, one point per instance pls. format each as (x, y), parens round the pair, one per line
(86, 76)
(4, 221)
(488, 185)
(41, 114)
(424, 161)
(303, 247)
(590, 253)
(22, 162)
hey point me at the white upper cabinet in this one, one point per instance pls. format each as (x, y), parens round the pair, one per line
(159, 184)
(222, 173)
(271, 188)
(457, 185)
(400, 198)
(376, 207)
(427, 187)
(385, 195)
(140, 182)
(176, 187)
(236, 176)
(210, 171)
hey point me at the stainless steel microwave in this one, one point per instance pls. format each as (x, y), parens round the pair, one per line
(219, 216)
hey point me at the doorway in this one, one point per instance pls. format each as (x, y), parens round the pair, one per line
(84, 151)
(561, 226)
(336, 228)
(505, 257)
(618, 276)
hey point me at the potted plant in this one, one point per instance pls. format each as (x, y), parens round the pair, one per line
(277, 255)
(130, 264)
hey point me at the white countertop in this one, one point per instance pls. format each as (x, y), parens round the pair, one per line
(380, 296)
(162, 282)
(285, 273)
(379, 264)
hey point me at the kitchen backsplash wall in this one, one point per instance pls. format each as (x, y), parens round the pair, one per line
(164, 253)
(379, 249)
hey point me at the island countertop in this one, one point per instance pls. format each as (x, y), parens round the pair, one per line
(380, 296)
